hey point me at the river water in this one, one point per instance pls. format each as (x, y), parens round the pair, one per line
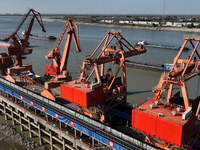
(140, 82)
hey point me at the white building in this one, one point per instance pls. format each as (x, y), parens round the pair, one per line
(124, 22)
(139, 22)
(107, 21)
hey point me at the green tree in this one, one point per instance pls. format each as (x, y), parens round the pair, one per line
(154, 25)
(190, 25)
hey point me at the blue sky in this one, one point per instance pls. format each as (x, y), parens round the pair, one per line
(102, 6)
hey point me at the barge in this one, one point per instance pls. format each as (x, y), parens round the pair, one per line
(38, 37)
(144, 43)
(149, 67)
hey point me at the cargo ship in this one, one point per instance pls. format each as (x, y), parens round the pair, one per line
(95, 103)
(38, 37)
(150, 67)
(144, 43)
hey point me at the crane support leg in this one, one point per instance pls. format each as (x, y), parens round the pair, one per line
(198, 110)
(102, 69)
(169, 92)
(185, 97)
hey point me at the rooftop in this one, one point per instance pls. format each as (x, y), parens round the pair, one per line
(164, 111)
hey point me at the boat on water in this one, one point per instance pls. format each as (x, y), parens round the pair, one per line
(39, 37)
(150, 67)
(145, 43)
(5, 43)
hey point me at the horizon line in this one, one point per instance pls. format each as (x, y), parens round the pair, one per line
(106, 14)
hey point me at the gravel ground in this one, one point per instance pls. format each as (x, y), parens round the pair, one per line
(9, 134)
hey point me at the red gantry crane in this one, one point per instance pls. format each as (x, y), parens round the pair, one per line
(58, 67)
(175, 121)
(182, 71)
(18, 48)
(106, 87)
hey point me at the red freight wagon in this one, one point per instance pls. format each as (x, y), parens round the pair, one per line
(159, 121)
(83, 94)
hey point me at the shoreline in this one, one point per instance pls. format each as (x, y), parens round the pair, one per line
(177, 29)
(9, 134)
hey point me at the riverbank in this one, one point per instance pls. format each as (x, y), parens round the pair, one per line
(11, 139)
(180, 29)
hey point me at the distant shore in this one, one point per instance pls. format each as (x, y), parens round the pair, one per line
(180, 29)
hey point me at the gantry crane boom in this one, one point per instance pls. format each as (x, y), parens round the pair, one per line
(18, 49)
(35, 13)
(59, 65)
(37, 16)
(113, 87)
(111, 54)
